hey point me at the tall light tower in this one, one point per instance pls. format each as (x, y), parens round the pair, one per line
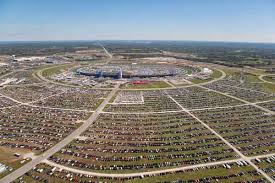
(13, 57)
(133, 65)
(120, 73)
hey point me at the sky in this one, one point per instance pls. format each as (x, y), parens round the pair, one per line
(198, 20)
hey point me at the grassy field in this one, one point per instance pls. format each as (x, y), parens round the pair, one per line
(252, 77)
(268, 87)
(202, 173)
(150, 84)
(269, 78)
(56, 70)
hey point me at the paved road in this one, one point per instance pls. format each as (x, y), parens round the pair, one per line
(186, 86)
(262, 156)
(106, 51)
(41, 77)
(198, 109)
(248, 89)
(261, 77)
(239, 99)
(121, 175)
(7, 74)
(27, 103)
(45, 107)
(12, 72)
(141, 173)
(25, 168)
(225, 141)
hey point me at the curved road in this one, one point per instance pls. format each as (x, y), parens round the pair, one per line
(141, 174)
(41, 77)
(261, 77)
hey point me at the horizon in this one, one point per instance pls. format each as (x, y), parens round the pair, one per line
(249, 21)
(132, 40)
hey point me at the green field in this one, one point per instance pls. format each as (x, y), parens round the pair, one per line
(150, 84)
(270, 78)
(55, 70)
(201, 174)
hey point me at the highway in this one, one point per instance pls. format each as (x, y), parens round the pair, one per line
(106, 51)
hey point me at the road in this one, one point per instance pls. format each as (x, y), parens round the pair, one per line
(106, 51)
(41, 99)
(12, 72)
(57, 147)
(7, 74)
(186, 86)
(239, 99)
(262, 156)
(248, 89)
(141, 173)
(30, 104)
(39, 76)
(261, 77)
(196, 109)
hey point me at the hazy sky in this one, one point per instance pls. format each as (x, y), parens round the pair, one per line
(212, 20)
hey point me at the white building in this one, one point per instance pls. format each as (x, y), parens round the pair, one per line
(206, 71)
